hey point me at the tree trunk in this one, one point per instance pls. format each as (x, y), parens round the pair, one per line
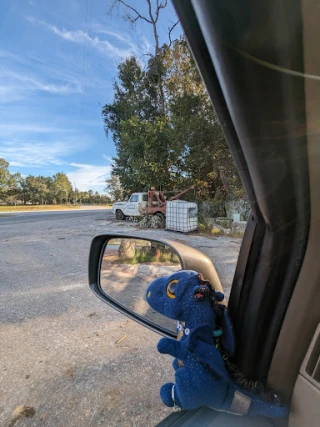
(223, 180)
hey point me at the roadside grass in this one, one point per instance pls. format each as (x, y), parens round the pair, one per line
(143, 256)
(32, 208)
(214, 231)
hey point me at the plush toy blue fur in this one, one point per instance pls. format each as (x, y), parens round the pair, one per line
(201, 377)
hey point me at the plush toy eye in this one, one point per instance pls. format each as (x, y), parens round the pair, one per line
(171, 288)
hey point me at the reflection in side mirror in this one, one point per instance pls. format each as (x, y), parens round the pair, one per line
(128, 266)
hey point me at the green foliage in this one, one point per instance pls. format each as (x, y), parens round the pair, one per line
(150, 221)
(114, 188)
(4, 177)
(215, 231)
(144, 256)
(40, 190)
(61, 186)
(171, 144)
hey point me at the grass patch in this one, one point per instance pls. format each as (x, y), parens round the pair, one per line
(143, 256)
(32, 208)
(140, 258)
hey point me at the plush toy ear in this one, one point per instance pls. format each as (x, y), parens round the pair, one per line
(200, 342)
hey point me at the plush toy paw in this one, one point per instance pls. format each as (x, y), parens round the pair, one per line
(172, 347)
(163, 345)
(166, 394)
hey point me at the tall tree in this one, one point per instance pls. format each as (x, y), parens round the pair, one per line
(114, 188)
(5, 177)
(186, 146)
(151, 16)
(61, 187)
(139, 130)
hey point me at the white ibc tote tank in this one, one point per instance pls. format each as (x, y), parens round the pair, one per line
(181, 216)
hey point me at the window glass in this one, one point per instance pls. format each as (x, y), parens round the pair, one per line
(87, 122)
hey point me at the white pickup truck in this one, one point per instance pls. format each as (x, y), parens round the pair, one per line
(133, 207)
(152, 202)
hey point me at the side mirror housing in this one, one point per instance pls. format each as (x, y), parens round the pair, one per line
(121, 266)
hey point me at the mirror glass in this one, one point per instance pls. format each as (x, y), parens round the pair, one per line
(128, 266)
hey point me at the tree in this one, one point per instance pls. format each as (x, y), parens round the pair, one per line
(133, 15)
(114, 188)
(184, 147)
(5, 177)
(14, 189)
(35, 189)
(17, 189)
(140, 131)
(61, 187)
(83, 197)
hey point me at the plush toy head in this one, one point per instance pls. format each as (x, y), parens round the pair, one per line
(183, 295)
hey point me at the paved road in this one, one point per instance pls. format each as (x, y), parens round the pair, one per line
(60, 349)
(41, 250)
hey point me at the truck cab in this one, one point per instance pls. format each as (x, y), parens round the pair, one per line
(133, 207)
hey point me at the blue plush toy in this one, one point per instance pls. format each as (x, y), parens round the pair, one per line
(206, 339)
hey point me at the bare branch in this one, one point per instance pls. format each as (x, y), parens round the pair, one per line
(170, 31)
(150, 11)
(160, 6)
(146, 54)
(138, 15)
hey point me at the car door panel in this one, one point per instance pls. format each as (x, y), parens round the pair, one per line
(132, 207)
(206, 417)
(303, 314)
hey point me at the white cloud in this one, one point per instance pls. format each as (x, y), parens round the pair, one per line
(81, 37)
(10, 94)
(120, 36)
(17, 84)
(147, 47)
(110, 159)
(7, 130)
(16, 164)
(22, 76)
(89, 177)
(39, 154)
(100, 29)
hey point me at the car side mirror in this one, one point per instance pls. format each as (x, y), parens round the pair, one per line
(122, 266)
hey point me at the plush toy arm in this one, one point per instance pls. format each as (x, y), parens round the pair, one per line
(172, 347)
(200, 343)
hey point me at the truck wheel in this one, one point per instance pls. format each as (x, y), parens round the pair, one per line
(162, 219)
(119, 215)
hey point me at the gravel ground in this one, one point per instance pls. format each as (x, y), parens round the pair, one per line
(64, 353)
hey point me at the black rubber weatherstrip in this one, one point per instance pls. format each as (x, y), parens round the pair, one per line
(199, 417)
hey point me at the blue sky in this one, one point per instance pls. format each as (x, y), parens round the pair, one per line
(58, 59)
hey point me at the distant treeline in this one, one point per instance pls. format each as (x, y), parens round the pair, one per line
(16, 189)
